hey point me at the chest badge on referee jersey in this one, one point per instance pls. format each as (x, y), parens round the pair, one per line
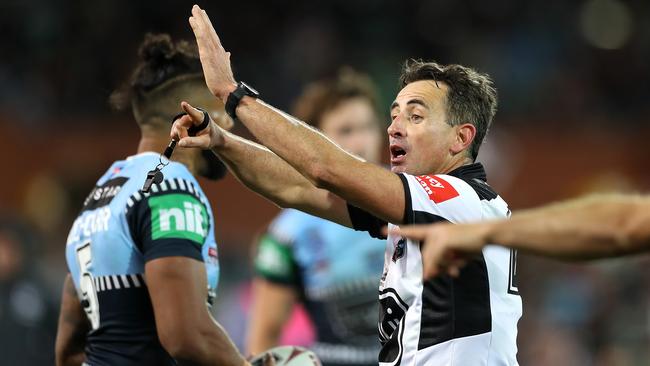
(399, 249)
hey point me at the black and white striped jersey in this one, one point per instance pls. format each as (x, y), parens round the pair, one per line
(469, 320)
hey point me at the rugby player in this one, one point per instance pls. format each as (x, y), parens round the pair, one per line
(439, 119)
(143, 267)
(331, 269)
(599, 226)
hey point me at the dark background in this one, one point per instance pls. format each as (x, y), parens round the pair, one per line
(573, 116)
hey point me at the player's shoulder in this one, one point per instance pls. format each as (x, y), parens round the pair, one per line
(179, 186)
(288, 225)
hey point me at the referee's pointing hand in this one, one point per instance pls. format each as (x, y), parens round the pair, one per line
(446, 247)
(206, 138)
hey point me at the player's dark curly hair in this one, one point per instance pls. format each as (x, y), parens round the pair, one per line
(471, 97)
(322, 96)
(160, 60)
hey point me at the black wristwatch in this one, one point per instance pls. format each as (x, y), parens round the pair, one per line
(235, 97)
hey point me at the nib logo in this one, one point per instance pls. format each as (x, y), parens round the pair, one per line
(178, 216)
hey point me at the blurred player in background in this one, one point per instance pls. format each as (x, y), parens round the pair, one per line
(439, 120)
(332, 269)
(143, 267)
(600, 226)
(27, 316)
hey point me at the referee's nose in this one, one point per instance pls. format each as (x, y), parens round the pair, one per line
(396, 128)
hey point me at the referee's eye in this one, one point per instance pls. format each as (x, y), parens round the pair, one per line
(415, 118)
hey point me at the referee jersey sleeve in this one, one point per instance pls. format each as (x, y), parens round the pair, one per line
(365, 221)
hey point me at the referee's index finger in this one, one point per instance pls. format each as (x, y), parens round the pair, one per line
(417, 232)
(195, 114)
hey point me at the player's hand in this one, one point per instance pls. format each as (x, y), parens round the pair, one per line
(207, 138)
(214, 58)
(446, 247)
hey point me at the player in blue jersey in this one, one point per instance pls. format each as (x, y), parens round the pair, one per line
(331, 269)
(143, 267)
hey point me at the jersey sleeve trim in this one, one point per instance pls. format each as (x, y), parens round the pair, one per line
(173, 248)
(408, 218)
(364, 221)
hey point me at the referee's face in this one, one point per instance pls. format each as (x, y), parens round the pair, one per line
(419, 137)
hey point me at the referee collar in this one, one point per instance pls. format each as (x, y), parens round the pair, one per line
(469, 172)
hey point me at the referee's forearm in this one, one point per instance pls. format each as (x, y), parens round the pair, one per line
(310, 152)
(262, 171)
(588, 228)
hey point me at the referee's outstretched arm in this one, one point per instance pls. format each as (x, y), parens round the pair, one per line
(599, 226)
(325, 166)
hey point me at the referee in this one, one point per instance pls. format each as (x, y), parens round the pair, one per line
(439, 120)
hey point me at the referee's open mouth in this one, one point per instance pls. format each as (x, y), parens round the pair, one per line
(397, 154)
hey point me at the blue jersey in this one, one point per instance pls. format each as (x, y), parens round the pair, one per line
(336, 270)
(118, 230)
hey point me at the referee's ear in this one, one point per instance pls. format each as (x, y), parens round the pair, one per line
(465, 134)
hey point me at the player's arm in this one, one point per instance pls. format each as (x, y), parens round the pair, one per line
(171, 242)
(587, 228)
(262, 171)
(270, 310)
(274, 292)
(322, 162)
(594, 227)
(72, 329)
(187, 331)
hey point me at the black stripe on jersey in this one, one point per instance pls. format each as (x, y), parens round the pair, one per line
(484, 191)
(513, 284)
(102, 195)
(474, 175)
(456, 307)
(408, 205)
(392, 317)
(423, 217)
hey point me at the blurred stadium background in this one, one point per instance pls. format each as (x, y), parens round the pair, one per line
(573, 79)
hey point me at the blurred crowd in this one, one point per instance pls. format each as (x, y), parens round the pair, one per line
(573, 119)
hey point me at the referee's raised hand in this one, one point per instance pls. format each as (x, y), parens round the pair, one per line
(214, 58)
(207, 138)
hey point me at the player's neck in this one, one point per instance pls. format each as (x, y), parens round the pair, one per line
(157, 144)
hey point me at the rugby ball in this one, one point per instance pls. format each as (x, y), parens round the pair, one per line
(288, 356)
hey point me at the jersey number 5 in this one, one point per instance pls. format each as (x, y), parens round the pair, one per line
(88, 292)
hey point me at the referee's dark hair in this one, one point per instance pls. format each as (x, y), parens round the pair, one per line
(471, 97)
(321, 97)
